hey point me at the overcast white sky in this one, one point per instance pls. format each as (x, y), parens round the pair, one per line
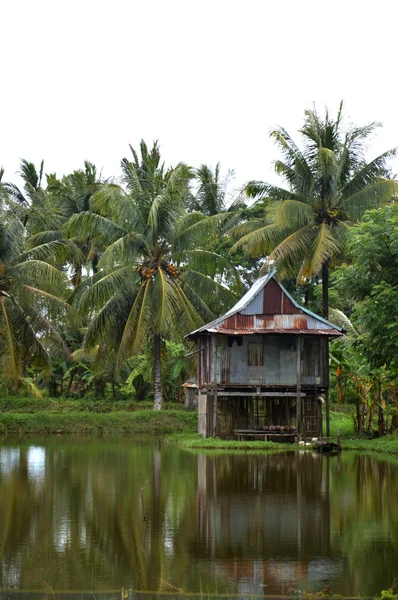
(208, 79)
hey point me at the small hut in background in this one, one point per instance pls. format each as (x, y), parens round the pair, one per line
(262, 367)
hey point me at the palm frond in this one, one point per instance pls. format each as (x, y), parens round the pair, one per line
(368, 174)
(262, 241)
(87, 225)
(208, 289)
(262, 191)
(341, 320)
(37, 271)
(206, 261)
(293, 156)
(57, 252)
(325, 247)
(112, 202)
(137, 326)
(8, 349)
(197, 233)
(369, 197)
(127, 248)
(293, 214)
(104, 286)
(294, 247)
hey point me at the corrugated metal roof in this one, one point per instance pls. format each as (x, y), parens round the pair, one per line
(328, 332)
(250, 295)
(256, 313)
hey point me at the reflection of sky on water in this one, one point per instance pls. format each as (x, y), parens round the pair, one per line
(36, 458)
(62, 534)
(9, 460)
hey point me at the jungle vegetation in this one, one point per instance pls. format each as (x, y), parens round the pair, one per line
(101, 279)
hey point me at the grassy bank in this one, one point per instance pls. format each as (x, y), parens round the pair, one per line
(341, 420)
(384, 445)
(144, 421)
(27, 404)
(19, 415)
(197, 442)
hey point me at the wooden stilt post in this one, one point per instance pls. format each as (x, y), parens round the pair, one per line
(298, 384)
(326, 394)
(214, 357)
(287, 411)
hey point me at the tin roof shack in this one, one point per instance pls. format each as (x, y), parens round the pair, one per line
(262, 367)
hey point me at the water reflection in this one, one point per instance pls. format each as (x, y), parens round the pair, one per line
(71, 518)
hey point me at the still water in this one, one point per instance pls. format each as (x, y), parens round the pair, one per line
(71, 518)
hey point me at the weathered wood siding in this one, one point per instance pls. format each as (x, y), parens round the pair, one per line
(265, 360)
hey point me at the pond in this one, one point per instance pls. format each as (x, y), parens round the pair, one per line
(71, 518)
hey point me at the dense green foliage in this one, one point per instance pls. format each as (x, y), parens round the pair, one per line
(100, 280)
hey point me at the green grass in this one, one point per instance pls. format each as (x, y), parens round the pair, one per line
(27, 404)
(387, 444)
(49, 415)
(144, 421)
(197, 442)
(341, 420)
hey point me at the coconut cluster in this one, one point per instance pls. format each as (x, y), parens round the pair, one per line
(146, 272)
(172, 270)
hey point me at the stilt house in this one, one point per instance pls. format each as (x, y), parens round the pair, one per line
(262, 367)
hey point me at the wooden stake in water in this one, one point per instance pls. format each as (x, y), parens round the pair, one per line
(142, 488)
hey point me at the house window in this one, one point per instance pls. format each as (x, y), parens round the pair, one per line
(255, 357)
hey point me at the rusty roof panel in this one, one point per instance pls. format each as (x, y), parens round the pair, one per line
(272, 299)
(298, 323)
(268, 308)
(291, 322)
(228, 323)
(330, 332)
(245, 321)
(288, 306)
(264, 322)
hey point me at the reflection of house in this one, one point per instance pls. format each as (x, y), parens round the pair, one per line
(263, 365)
(248, 506)
(265, 519)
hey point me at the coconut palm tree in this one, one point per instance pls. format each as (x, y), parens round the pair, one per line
(329, 186)
(211, 191)
(32, 205)
(152, 279)
(31, 294)
(68, 196)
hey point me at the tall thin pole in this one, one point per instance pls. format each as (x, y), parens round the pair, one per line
(327, 389)
(214, 360)
(298, 384)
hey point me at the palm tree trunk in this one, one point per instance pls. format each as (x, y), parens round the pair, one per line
(158, 396)
(325, 314)
(380, 421)
(325, 290)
